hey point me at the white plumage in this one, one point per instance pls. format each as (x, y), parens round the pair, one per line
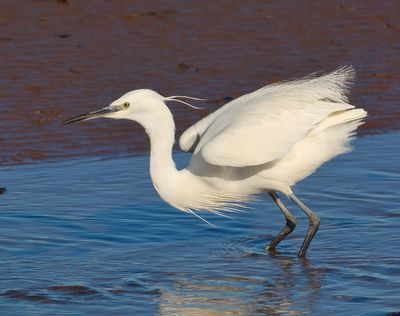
(265, 141)
(265, 125)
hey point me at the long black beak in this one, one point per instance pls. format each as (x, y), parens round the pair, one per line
(91, 115)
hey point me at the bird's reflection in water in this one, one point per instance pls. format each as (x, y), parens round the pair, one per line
(281, 296)
(243, 294)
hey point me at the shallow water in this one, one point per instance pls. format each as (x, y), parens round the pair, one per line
(90, 236)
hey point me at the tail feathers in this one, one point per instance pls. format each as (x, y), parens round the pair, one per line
(339, 117)
(329, 139)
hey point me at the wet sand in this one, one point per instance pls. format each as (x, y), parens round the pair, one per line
(61, 58)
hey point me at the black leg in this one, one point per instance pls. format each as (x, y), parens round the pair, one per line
(314, 225)
(290, 222)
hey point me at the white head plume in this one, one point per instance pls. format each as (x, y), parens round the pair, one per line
(175, 98)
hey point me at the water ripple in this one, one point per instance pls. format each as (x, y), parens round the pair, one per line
(115, 244)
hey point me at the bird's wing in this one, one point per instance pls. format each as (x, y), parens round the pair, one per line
(191, 137)
(264, 125)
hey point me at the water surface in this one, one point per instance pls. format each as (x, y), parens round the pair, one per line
(90, 236)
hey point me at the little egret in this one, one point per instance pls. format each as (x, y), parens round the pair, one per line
(264, 141)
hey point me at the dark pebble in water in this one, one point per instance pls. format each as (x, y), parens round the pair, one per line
(73, 289)
(3, 190)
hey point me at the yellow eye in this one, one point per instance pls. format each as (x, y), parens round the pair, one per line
(125, 105)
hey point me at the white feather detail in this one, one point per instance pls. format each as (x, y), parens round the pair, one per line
(175, 98)
(283, 113)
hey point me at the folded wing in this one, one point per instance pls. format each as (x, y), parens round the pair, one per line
(265, 125)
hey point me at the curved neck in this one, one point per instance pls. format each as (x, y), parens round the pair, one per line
(161, 131)
(161, 142)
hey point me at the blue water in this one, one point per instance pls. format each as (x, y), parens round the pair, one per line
(91, 237)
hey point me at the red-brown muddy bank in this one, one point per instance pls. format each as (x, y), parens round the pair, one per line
(61, 58)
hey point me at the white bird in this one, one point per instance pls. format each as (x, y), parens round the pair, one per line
(261, 142)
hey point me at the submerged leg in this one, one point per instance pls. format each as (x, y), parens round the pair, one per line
(314, 225)
(290, 222)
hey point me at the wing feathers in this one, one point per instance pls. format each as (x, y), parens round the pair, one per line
(265, 125)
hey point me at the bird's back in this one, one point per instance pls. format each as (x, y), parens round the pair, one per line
(290, 128)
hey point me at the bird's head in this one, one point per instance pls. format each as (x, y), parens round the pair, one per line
(135, 105)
